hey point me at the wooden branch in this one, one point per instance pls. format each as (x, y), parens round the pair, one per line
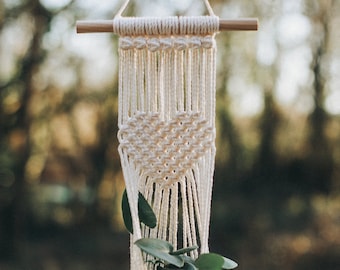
(106, 26)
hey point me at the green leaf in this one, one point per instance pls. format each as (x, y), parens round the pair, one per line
(189, 266)
(209, 261)
(184, 250)
(145, 212)
(161, 250)
(127, 212)
(188, 259)
(213, 261)
(229, 264)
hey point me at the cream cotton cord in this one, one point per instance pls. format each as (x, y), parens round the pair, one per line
(124, 6)
(167, 70)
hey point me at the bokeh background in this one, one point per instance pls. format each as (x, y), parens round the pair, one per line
(276, 199)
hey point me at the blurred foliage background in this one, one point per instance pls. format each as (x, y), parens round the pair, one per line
(276, 200)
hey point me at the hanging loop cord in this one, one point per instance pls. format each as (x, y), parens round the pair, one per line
(173, 25)
(124, 6)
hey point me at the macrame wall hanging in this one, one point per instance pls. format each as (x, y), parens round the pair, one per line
(167, 72)
(166, 122)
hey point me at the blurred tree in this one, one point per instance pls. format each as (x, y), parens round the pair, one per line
(266, 161)
(230, 159)
(15, 124)
(57, 128)
(320, 156)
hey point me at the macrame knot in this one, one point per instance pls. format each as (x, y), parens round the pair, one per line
(194, 25)
(180, 43)
(207, 42)
(194, 42)
(166, 43)
(198, 25)
(140, 43)
(153, 44)
(126, 43)
(164, 150)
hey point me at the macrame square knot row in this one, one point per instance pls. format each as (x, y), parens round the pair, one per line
(165, 43)
(165, 151)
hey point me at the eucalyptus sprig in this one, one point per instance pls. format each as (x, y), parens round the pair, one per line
(145, 212)
(166, 258)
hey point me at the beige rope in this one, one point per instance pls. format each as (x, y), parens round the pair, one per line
(167, 125)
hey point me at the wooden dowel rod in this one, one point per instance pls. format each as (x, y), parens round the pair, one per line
(106, 26)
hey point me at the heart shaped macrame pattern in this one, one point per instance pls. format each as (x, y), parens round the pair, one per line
(165, 150)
